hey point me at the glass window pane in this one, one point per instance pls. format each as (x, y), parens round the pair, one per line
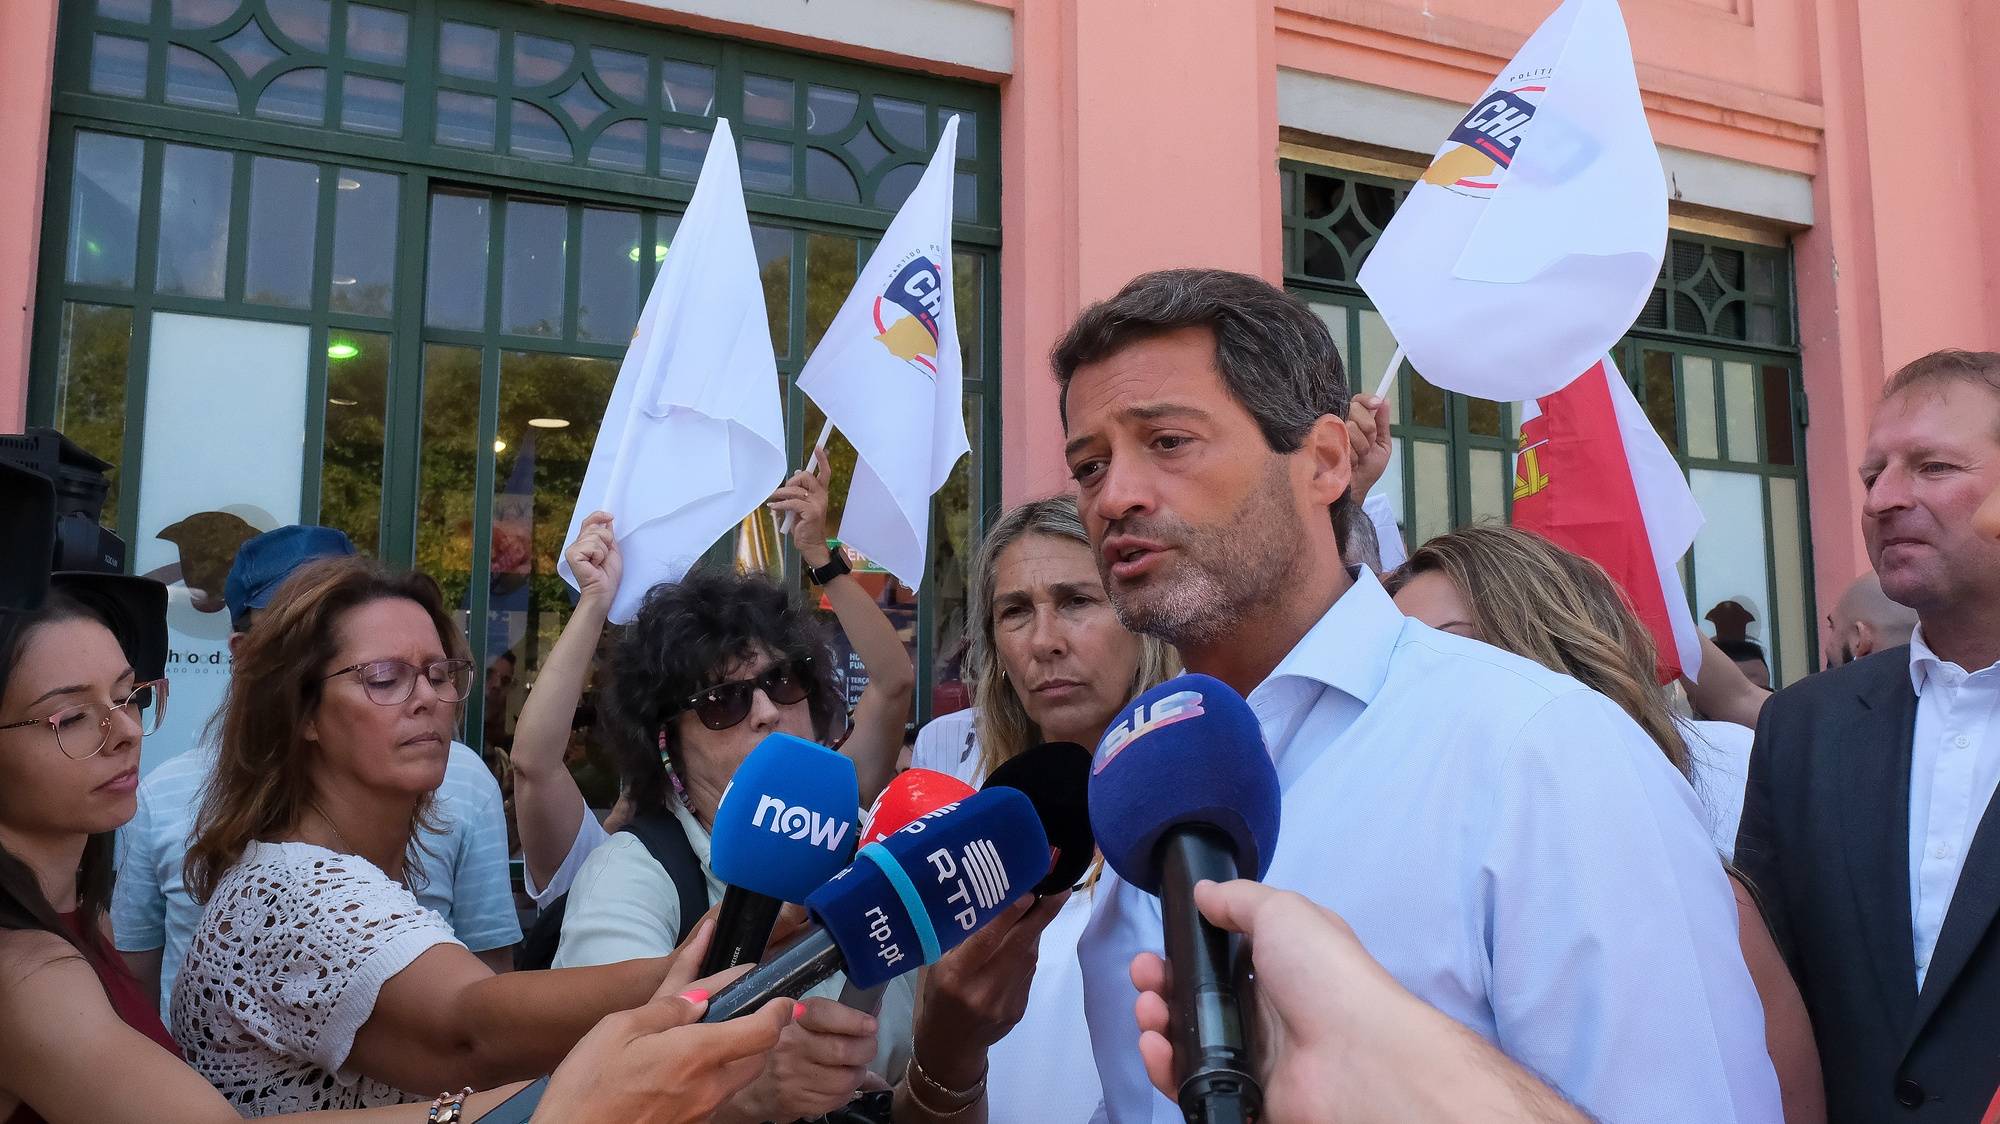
(194, 221)
(767, 101)
(767, 166)
(307, 23)
(203, 496)
(194, 80)
(622, 73)
(621, 146)
(1656, 395)
(1778, 438)
(1698, 406)
(608, 305)
(1427, 403)
(688, 87)
(118, 66)
(104, 209)
(951, 561)
(1335, 316)
(968, 283)
(1729, 553)
(902, 122)
(131, 11)
(539, 60)
(377, 34)
(467, 50)
(827, 178)
(1491, 481)
(537, 135)
(364, 241)
(455, 271)
(1377, 345)
(284, 212)
(1793, 610)
(449, 471)
(1739, 404)
(297, 95)
(357, 397)
(191, 14)
(1482, 416)
(1432, 461)
(895, 186)
(968, 131)
(830, 272)
(371, 105)
(774, 266)
(531, 282)
(465, 120)
(681, 152)
(90, 385)
(1391, 484)
(830, 110)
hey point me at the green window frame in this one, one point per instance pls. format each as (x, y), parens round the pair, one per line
(830, 150)
(1713, 357)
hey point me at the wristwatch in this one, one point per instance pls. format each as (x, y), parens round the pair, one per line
(835, 566)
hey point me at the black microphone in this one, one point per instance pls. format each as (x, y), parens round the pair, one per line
(1182, 790)
(785, 825)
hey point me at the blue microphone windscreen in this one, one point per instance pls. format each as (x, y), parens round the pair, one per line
(1186, 753)
(788, 820)
(915, 895)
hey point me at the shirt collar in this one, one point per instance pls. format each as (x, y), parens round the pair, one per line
(1349, 647)
(1924, 663)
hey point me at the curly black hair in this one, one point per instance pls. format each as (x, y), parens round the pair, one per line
(686, 633)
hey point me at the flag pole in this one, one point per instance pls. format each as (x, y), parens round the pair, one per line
(825, 433)
(1389, 375)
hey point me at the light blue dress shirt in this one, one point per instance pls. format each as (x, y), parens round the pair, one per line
(1512, 848)
(464, 870)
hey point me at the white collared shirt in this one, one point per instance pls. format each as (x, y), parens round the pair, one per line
(1512, 848)
(1954, 765)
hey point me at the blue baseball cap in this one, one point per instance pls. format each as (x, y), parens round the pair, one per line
(263, 563)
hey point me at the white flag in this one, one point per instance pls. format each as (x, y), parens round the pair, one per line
(694, 438)
(1532, 242)
(887, 374)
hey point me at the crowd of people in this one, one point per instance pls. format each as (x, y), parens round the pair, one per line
(1517, 878)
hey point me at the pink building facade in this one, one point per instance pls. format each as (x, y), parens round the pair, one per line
(354, 262)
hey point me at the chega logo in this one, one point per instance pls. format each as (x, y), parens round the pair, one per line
(906, 314)
(981, 876)
(1477, 154)
(1177, 707)
(798, 822)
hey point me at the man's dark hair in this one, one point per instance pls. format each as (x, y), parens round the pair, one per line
(686, 633)
(1277, 359)
(1742, 651)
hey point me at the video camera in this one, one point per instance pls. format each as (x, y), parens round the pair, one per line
(81, 483)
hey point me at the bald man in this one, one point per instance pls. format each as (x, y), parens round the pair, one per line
(1865, 620)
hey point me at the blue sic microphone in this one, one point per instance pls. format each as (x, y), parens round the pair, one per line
(1181, 790)
(787, 822)
(906, 900)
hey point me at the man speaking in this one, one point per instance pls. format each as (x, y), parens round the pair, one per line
(1510, 846)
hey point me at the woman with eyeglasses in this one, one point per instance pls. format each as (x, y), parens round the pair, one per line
(316, 980)
(712, 665)
(80, 1043)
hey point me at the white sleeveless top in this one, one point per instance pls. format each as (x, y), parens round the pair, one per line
(293, 948)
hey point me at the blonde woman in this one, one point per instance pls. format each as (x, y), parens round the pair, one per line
(999, 1026)
(1520, 592)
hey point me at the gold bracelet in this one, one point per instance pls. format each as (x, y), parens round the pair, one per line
(449, 1107)
(965, 1098)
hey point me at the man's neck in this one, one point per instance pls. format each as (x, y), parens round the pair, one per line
(1248, 655)
(53, 859)
(1969, 639)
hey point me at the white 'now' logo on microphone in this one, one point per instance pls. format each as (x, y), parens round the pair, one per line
(798, 822)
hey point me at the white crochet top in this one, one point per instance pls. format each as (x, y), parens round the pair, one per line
(293, 947)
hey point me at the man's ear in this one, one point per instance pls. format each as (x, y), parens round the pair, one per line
(1864, 638)
(1329, 459)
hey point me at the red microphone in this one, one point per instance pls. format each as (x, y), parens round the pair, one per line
(913, 794)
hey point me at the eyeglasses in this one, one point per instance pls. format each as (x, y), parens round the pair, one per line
(82, 731)
(726, 704)
(391, 682)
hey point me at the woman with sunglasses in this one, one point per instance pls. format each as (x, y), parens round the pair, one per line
(79, 1041)
(712, 665)
(315, 979)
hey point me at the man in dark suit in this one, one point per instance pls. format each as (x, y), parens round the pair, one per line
(1869, 826)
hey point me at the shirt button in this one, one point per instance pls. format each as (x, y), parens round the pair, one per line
(1909, 1094)
(1940, 852)
(1961, 741)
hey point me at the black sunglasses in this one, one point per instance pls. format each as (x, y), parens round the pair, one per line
(726, 704)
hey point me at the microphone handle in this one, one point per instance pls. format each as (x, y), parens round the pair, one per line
(1213, 1066)
(742, 927)
(802, 966)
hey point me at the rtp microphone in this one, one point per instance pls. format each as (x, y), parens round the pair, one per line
(1183, 789)
(786, 824)
(1055, 776)
(906, 900)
